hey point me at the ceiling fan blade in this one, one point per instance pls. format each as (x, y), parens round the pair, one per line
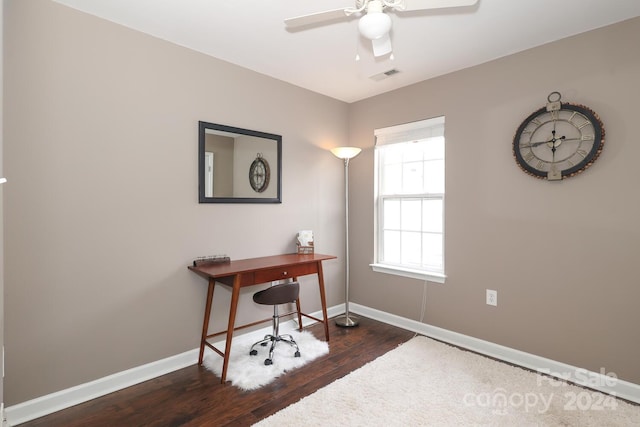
(381, 46)
(435, 4)
(315, 18)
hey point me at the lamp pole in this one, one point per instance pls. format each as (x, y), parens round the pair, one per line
(346, 153)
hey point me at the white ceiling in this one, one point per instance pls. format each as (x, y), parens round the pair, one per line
(426, 44)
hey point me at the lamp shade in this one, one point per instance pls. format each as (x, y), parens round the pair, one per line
(374, 25)
(346, 152)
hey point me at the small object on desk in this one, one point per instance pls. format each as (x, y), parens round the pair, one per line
(304, 242)
(211, 259)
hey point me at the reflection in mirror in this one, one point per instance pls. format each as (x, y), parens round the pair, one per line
(225, 158)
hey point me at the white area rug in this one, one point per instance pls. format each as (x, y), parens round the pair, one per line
(427, 383)
(249, 372)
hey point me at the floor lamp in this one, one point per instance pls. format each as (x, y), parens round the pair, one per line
(346, 153)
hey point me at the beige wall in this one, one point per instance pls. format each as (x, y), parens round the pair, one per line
(562, 256)
(222, 149)
(102, 215)
(245, 151)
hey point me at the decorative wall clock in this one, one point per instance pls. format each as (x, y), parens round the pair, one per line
(559, 140)
(259, 174)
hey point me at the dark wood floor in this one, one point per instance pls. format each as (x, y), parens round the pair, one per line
(194, 396)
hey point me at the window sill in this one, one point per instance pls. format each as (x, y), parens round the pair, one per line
(407, 272)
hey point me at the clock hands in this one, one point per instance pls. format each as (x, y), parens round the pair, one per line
(535, 144)
(553, 174)
(552, 141)
(571, 139)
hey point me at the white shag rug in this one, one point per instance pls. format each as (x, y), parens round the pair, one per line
(426, 383)
(249, 372)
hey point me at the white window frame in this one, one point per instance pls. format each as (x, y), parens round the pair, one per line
(403, 133)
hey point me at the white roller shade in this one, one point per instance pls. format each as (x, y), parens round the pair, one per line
(413, 131)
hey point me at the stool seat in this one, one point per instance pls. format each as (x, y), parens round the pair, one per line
(278, 294)
(275, 295)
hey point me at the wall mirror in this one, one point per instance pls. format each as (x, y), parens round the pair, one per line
(238, 165)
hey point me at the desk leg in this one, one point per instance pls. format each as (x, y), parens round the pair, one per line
(232, 320)
(323, 300)
(299, 314)
(295, 279)
(207, 314)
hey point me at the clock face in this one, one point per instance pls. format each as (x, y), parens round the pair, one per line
(558, 143)
(259, 174)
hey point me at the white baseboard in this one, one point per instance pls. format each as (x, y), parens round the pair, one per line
(594, 380)
(41, 406)
(48, 404)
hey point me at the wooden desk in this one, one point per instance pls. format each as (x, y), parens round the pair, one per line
(254, 271)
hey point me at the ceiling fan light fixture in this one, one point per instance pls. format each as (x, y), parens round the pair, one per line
(381, 46)
(374, 25)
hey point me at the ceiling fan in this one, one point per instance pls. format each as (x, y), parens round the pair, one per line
(375, 24)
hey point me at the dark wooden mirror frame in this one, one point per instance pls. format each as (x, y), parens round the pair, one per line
(276, 170)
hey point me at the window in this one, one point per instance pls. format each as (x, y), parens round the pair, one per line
(409, 205)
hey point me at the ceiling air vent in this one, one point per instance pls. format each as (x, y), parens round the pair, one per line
(384, 75)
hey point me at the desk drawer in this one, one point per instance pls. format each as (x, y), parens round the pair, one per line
(281, 273)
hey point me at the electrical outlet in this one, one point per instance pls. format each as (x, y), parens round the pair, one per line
(492, 297)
